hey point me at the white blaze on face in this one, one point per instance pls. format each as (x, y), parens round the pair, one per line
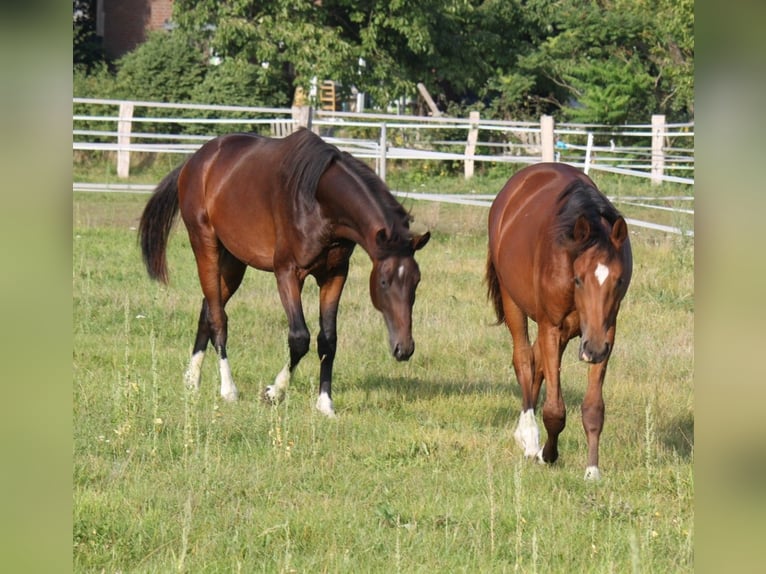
(401, 271)
(602, 272)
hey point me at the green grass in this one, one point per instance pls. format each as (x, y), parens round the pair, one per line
(418, 474)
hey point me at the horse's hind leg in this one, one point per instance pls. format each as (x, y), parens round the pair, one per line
(220, 275)
(290, 285)
(194, 371)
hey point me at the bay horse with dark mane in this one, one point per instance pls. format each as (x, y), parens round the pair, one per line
(296, 207)
(559, 254)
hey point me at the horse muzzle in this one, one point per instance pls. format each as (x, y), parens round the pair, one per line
(402, 351)
(594, 353)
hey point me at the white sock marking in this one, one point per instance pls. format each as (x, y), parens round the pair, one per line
(228, 389)
(527, 434)
(276, 392)
(602, 272)
(592, 473)
(324, 405)
(194, 372)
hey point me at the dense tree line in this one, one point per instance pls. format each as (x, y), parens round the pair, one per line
(600, 61)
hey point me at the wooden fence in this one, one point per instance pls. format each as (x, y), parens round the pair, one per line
(658, 151)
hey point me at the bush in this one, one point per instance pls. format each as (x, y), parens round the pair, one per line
(165, 68)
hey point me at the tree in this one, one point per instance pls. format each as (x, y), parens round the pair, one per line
(87, 52)
(594, 61)
(616, 61)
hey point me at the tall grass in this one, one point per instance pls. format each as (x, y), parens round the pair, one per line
(418, 474)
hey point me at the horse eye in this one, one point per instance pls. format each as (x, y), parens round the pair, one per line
(578, 282)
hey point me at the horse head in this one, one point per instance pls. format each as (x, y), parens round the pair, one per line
(602, 274)
(394, 278)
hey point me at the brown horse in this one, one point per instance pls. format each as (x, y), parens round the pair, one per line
(559, 253)
(295, 206)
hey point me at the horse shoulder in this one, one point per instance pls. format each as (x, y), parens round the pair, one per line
(554, 286)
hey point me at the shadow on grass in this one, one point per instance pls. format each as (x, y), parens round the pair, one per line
(506, 394)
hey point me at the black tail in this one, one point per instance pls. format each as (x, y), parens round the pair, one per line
(156, 223)
(493, 290)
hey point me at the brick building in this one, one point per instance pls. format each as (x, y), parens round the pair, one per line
(124, 24)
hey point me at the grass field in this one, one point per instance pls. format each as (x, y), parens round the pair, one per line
(419, 473)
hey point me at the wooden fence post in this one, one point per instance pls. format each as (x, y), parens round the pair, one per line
(301, 116)
(382, 157)
(123, 139)
(546, 137)
(658, 153)
(588, 151)
(470, 146)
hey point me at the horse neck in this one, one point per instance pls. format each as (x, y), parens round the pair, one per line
(357, 212)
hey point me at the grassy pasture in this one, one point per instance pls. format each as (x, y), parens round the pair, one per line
(418, 474)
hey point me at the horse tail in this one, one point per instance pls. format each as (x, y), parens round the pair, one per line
(493, 290)
(156, 223)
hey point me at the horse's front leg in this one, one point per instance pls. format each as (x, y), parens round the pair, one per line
(330, 290)
(526, 433)
(290, 285)
(593, 416)
(551, 345)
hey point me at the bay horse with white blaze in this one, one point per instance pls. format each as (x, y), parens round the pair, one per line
(296, 207)
(559, 254)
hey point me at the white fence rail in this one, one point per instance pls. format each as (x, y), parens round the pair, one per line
(659, 151)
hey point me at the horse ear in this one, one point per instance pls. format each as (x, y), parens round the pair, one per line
(419, 241)
(581, 230)
(619, 232)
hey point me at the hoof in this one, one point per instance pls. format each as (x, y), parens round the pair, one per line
(231, 396)
(592, 473)
(271, 396)
(191, 382)
(324, 405)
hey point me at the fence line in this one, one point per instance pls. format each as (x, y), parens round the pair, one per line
(663, 152)
(478, 200)
(504, 141)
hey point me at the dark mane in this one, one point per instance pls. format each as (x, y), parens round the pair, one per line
(398, 241)
(311, 156)
(581, 199)
(304, 165)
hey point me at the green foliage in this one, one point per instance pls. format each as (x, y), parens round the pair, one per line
(97, 82)
(165, 68)
(609, 62)
(602, 62)
(87, 51)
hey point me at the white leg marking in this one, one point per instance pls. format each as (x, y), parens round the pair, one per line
(592, 473)
(194, 372)
(527, 434)
(228, 390)
(325, 406)
(276, 392)
(602, 272)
